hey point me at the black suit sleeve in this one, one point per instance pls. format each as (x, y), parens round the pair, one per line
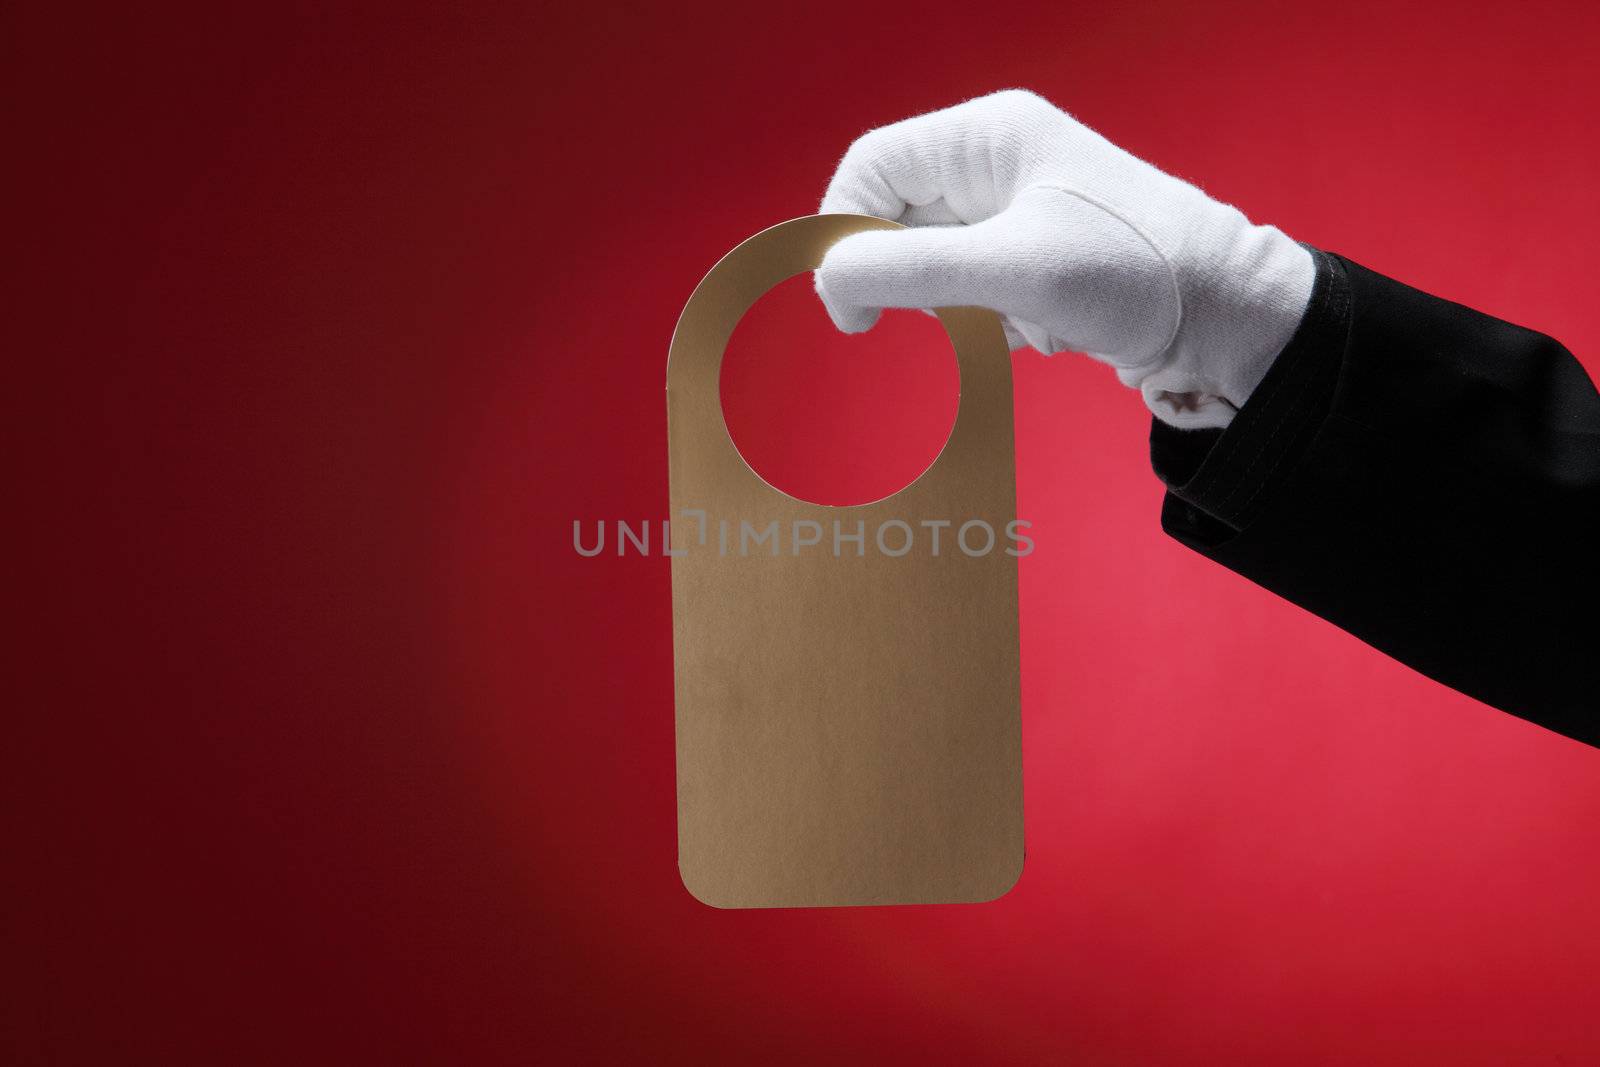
(1425, 477)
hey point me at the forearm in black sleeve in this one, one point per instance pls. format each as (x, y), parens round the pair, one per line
(1424, 476)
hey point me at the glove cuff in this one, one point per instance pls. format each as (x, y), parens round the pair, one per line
(1245, 289)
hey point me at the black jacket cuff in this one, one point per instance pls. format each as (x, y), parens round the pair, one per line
(1218, 480)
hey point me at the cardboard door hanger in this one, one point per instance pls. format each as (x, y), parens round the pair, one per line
(848, 722)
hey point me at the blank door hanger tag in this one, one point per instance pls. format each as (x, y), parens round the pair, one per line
(848, 710)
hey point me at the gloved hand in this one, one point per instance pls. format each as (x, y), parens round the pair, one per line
(1016, 206)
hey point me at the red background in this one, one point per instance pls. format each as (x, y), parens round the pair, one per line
(324, 744)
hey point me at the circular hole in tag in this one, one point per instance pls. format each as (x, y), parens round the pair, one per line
(831, 418)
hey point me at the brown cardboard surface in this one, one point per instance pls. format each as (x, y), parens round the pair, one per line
(848, 727)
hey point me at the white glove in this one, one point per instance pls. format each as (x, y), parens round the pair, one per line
(1018, 207)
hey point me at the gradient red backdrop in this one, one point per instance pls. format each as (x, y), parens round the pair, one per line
(326, 747)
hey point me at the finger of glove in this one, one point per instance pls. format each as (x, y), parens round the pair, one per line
(936, 266)
(967, 155)
(856, 319)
